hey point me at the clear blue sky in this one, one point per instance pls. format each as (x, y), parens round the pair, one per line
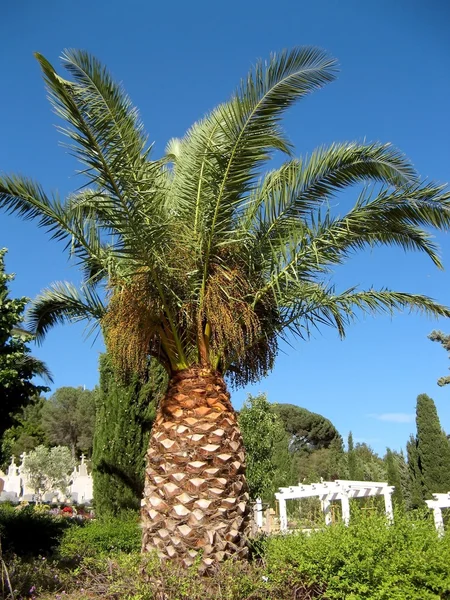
(177, 60)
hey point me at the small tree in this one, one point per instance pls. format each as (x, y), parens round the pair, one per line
(48, 469)
(261, 430)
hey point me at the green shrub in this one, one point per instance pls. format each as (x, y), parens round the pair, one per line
(29, 532)
(32, 577)
(369, 559)
(101, 536)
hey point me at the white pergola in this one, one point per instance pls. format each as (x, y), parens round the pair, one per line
(440, 501)
(342, 490)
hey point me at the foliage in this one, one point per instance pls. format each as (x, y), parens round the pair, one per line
(370, 466)
(25, 531)
(68, 418)
(415, 473)
(30, 578)
(308, 430)
(353, 471)
(444, 340)
(432, 447)
(27, 431)
(48, 468)
(261, 429)
(102, 536)
(17, 366)
(125, 414)
(368, 559)
(392, 460)
(326, 463)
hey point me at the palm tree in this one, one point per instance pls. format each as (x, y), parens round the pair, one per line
(204, 261)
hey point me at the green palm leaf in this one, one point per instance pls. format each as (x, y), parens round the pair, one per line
(60, 303)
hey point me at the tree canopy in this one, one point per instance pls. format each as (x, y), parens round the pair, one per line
(262, 429)
(68, 418)
(308, 430)
(208, 259)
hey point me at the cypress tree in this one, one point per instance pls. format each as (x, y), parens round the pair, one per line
(432, 447)
(125, 414)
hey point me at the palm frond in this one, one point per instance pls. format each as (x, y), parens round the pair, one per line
(297, 187)
(60, 303)
(35, 366)
(393, 217)
(26, 198)
(312, 304)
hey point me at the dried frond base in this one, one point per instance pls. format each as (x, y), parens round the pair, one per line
(195, 506)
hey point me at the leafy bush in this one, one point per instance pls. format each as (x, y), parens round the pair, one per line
(29, 532)
(369, 559)
(101, 536)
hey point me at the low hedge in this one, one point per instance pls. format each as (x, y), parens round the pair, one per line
(369, 559)
(26, 531)
(103, 536)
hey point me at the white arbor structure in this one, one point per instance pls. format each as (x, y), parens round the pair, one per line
(342, 490)
(439, 502)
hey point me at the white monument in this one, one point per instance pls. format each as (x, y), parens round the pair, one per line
(16, 486)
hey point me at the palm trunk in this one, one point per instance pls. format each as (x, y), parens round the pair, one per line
(195, 495)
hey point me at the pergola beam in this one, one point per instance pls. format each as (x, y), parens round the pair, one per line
(342, 490)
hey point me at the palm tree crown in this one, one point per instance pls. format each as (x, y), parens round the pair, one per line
(201, 257)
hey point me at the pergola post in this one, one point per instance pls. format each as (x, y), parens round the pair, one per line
(258, 513)
(283, 513)
(326, 505)
(345, 508)
(438, 520)
(387, 493)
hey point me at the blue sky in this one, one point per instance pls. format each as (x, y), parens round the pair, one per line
(177, 60)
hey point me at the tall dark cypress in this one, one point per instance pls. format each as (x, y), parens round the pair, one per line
(432, 447)
(125, 414)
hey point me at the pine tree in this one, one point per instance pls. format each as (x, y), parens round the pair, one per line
(415, 473)
(433, 448)
(125, 414)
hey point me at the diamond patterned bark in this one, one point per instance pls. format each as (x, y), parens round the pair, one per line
(196, 496)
